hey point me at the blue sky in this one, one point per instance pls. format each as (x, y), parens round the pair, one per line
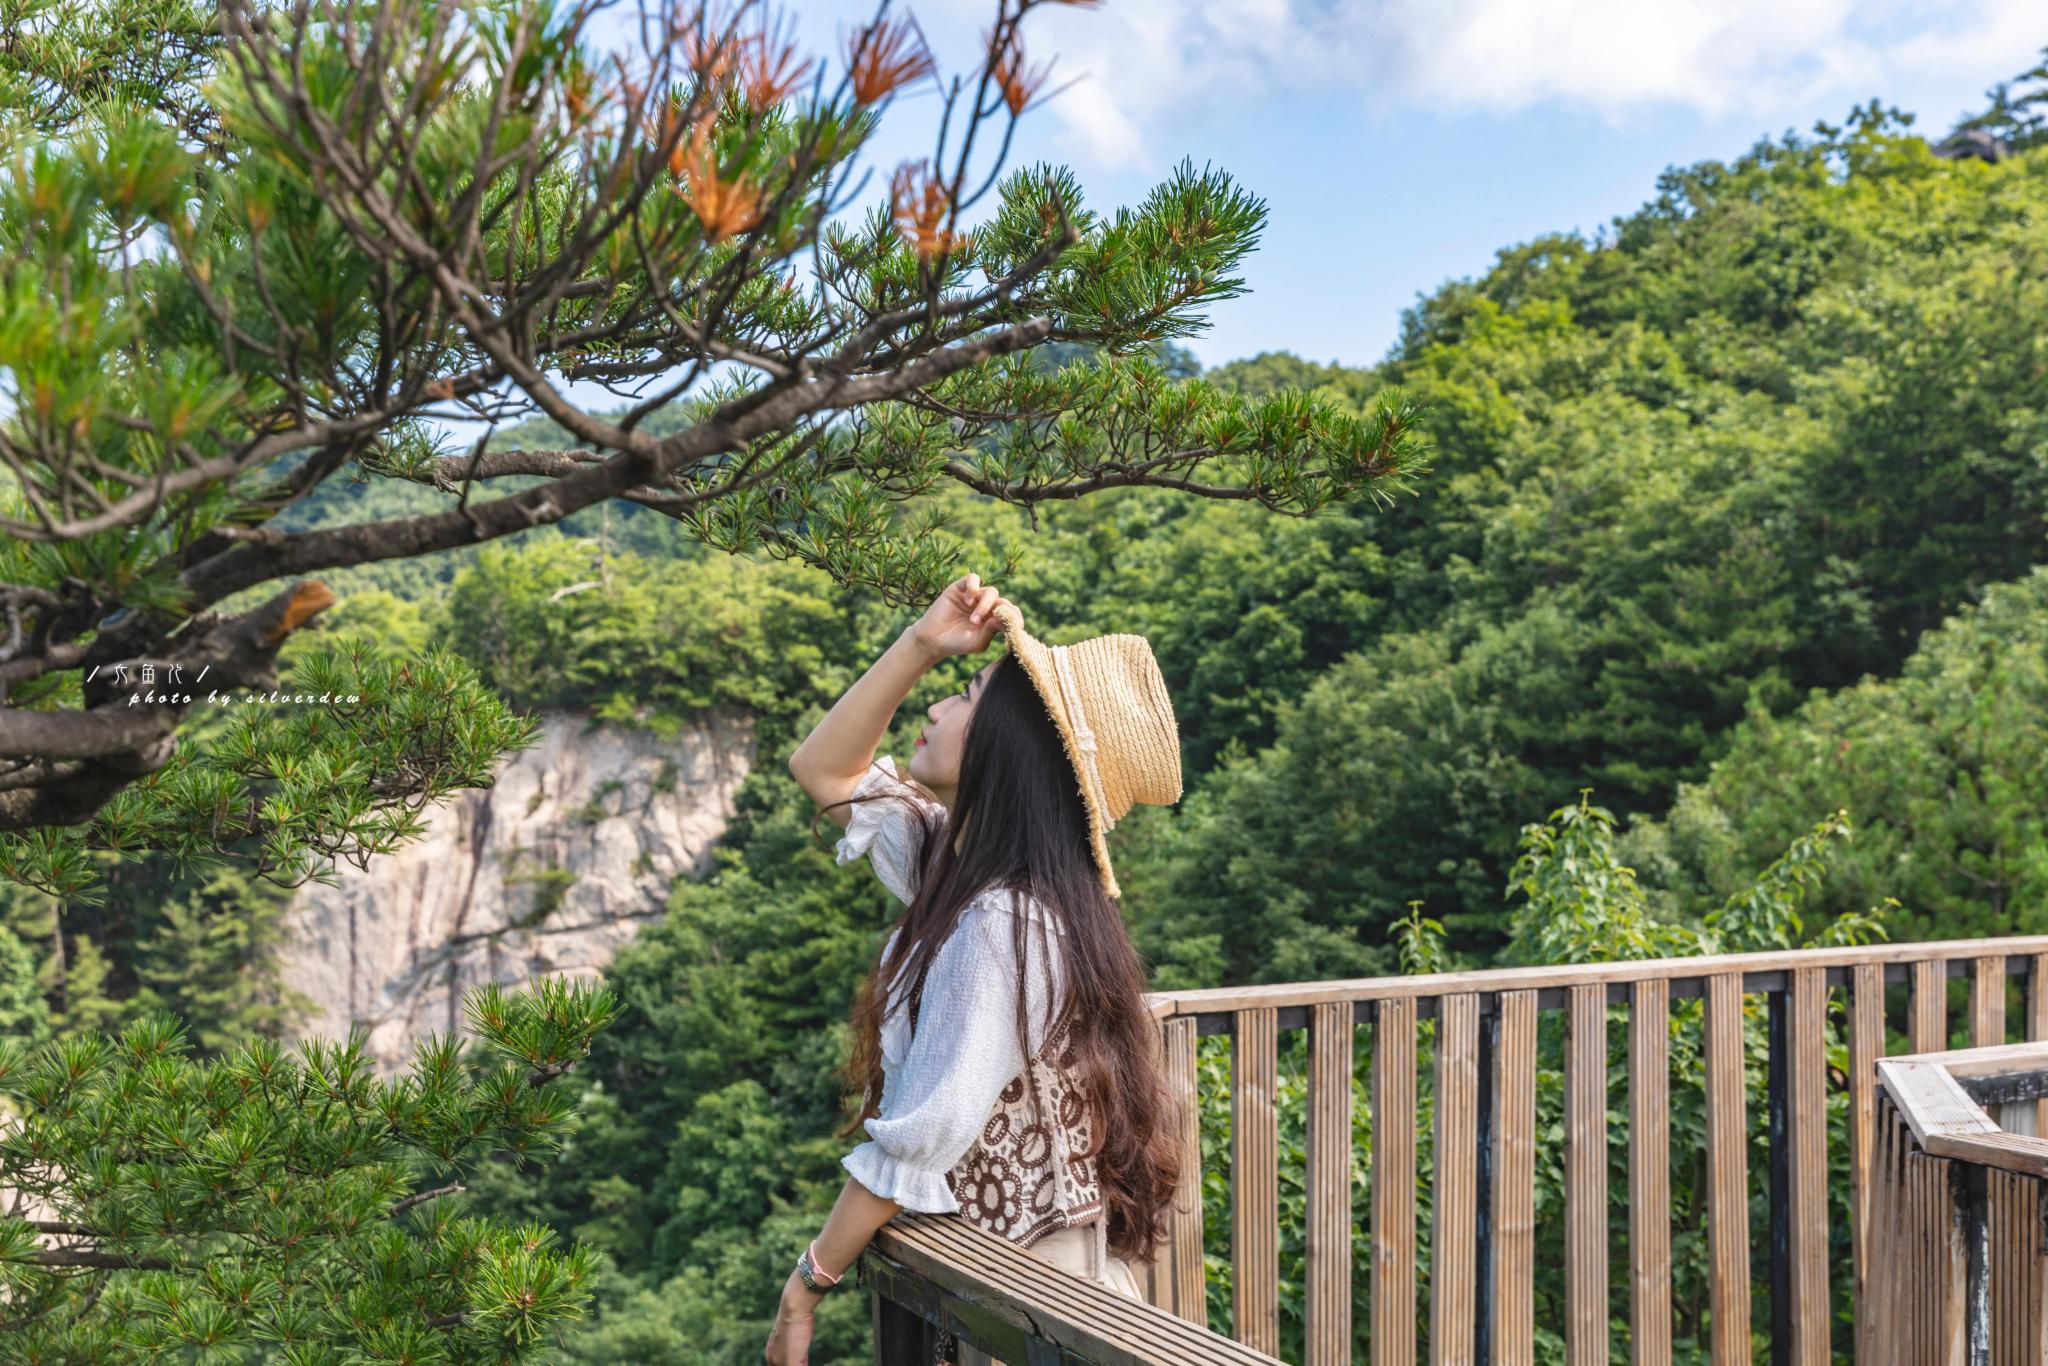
(1399, 143)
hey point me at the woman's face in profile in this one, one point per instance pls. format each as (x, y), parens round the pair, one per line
(935, 756)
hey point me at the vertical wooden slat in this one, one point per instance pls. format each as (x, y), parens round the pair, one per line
(1454, 1240)
(2008, 1254)
(1921, 1288)
(1890, 1240)
(1514, 1181)
(1255, 1180)
(2030, 1319)
(1872, 1210)
(1649, 1172)
(2033, 1313)
(1907, 1280)
(1987, 1008)
(1987, 1002)
(1155, 1274)
(2030, 1280)
(1951, 1297)
(1929, 1032)
(1727, 1173)
(2015, 1268)
(1926, 1285)
(1190, 1296)
(902, 1336)
(1926, 1291)
(1328, 1273)
(1866, 1046)
(1393, 1184)
(1909, 1276)
(1585, 1176)
(1778, 1170)
(1974, 1226)
(1898, 1249)
(1806, 1112)
(2037, 1028)
(1874, 1333)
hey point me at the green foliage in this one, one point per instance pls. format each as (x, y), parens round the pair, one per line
(1579, 904)
(24, 1015)
(209, 955)
(1421, 942)
(649, 639)
(135, 53)
(550, 884)
(316, 211)
(1944, 768)
(2018, 110)
(304, 780)
(1765, 915)
(260, 1203)
(1753, 440)
(723, 1061)
(203, 943)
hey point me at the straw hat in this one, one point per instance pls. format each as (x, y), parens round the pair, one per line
(1109, 702)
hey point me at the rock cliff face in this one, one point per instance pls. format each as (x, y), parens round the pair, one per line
(546, 873)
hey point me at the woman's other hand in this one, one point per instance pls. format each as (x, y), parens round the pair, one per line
(789, 1341)
(961, 620)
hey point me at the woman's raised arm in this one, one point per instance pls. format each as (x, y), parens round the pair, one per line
(832, 758)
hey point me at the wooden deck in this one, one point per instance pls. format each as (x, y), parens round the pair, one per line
(1434, 1082)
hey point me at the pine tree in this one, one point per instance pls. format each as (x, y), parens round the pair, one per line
(24, 1015)
(151, 1203)
(210, 958)
(2018, 110)
(249, 248)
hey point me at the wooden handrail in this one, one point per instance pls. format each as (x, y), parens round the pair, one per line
(939, 1273)
(1224, 1000)
(1931, 1093)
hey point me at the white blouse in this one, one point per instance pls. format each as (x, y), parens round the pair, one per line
(939, 1085)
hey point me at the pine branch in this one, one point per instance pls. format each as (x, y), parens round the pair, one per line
(419, 1198)
(102, 1261)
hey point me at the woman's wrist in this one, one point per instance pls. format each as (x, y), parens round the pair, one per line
(798, 1298)
(927, 656)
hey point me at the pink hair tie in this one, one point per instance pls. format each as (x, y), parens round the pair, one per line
(819, 1271)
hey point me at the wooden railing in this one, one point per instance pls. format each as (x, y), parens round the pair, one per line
(1473, 1041)
(928, 1275)
(1957, 1248)
(1481, 1293)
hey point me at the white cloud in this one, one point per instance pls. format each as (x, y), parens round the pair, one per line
(1145, 63)
(2004, 38)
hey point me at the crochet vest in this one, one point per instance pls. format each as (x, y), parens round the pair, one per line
(1025, 1174)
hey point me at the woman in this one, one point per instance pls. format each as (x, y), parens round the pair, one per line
(1010, 1073)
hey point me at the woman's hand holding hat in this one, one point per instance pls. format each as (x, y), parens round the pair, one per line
(961, 620)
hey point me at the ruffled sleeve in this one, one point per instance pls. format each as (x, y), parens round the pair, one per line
(964, 1052)
(886, 830)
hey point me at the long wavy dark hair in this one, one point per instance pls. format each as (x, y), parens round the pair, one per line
(1020, 824)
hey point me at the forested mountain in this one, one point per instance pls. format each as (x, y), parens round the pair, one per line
(1944, 766)
(1753, 441)
(1733, 521)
